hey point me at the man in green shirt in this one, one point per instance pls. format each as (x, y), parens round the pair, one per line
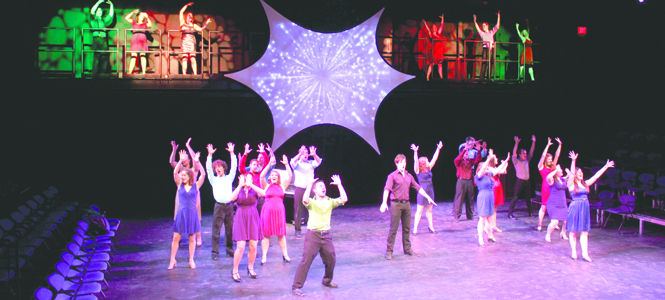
(318, 238)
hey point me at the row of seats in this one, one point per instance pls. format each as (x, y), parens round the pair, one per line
(84, 265)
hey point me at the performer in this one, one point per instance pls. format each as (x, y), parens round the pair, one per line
(221, 190)
(522, 185)
(470, 154)
(186, 219)
(526, 57)
(423, 169)
(545, 167)
(498, 190)
(255, 168)
(100, 39)
(195, 169)
(436, 37)
(273, 213)
(303, 169)
(489, 47)
(485, 200)
(558, 208)
(318, 239)
(188, 29)
(196, 166)
(139, 38)
(397, 186)
(578, 219)
(246, 224)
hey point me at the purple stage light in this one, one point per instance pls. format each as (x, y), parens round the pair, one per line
(309, 78)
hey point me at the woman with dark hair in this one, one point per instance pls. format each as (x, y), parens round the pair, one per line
(558, 208)
(188, 29)
(485, 199)
(246, 224)
(186, 219)
(578, 219)
(139, 38)
(436, 37)
(423, 169)
(526, 56)
(545, 167)
(273, 213)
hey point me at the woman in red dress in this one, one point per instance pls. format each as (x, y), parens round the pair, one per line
(435, 42)
(526, 56)
(546, 165)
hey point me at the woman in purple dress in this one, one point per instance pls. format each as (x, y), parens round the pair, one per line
(186, 218)
(485, 199)
(423, 169)
(578, 219)
(246, 225)
(273, 213)
(557, 206)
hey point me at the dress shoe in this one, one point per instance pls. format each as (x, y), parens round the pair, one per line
(251, 273)
(286, 260)
(215, 256)
(236, 277)
(431, 230)
(409, 253)
(389, 255)
(297, 292)
(330, 285)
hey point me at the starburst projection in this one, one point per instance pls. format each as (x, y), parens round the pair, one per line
(309, 78)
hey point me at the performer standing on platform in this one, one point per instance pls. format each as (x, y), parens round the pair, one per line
(195, 168)
(139, 38)
(273, 213)
(100, 38)
(498, 190)
(470, 154)
(246, 224)
(436, 37)
(578, 219)
(186, 219)
(489, 47)
(303, 169)
(423, 169)
(397, 186)
(188, 29)
(526, 57)
(545, 167)
(221, 190)
(558, 208)
(485, 200)
(522, 184)
(318, 239)
(255, 168)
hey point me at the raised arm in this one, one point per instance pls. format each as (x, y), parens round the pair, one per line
(94, 8)
(211, 151)
(174, 148)
(429, 33)
(243, 160)
(416, 167)
(483, 168)
(176, 171)
(264, 172)
(312, 152)
(289, 173)
(517, 143)
(128, 17)
(241, 184)
(476, 23)
(498, 21)
(457, 161)
(182, 13)
(191, 152)
(503, 167)
(230, 147)
(533, 147)
(519, 33)
(432, 162)
(308, 192)
(558, 152)
(440, 31)
(573, 171)
(550, 176)
(342, 193)
(109, 17)
(202, 175)
(542, 157)
(592, 180)
(205, 24)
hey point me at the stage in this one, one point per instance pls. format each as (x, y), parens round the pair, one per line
(447, 265)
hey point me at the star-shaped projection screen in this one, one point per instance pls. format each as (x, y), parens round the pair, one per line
(309, 78)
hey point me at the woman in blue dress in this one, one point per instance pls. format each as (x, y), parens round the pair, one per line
(578, 219)
(423, 169)
(186, 220)
(485, 198)
(556, 203)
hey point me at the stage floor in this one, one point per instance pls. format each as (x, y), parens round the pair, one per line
(448, 264)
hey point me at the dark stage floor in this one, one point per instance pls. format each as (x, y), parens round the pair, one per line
(449, 264)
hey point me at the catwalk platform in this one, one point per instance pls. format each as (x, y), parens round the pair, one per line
(448, 264)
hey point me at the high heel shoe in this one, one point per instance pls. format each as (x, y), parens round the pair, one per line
(491, 239)
(586, 258)
(286, 259)
(497, 229)
(236, 277)
(251, 273)
(563, 237)
(171, 266)
(263, 261)
(540, 228)
(431, 230)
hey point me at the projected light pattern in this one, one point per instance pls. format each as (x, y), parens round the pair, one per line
(309, 78)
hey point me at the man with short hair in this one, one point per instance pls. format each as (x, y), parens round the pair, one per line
(397, 187)
(470, 154)
(221, 191)
(522, 184)
(303, 171)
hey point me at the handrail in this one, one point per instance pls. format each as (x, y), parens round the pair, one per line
(169, 52)
(72, 51)
(117, 47)
(159, 51)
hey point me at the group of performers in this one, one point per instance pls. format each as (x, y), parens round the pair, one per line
(140, 22)
(260, 210)
(436, 36)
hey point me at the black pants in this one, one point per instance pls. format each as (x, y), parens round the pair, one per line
(488, 63)
(299, 210)
(522, 189)
(100, 65)
(464, 192)
(222, 214)
(316, 242)
(400, 211)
